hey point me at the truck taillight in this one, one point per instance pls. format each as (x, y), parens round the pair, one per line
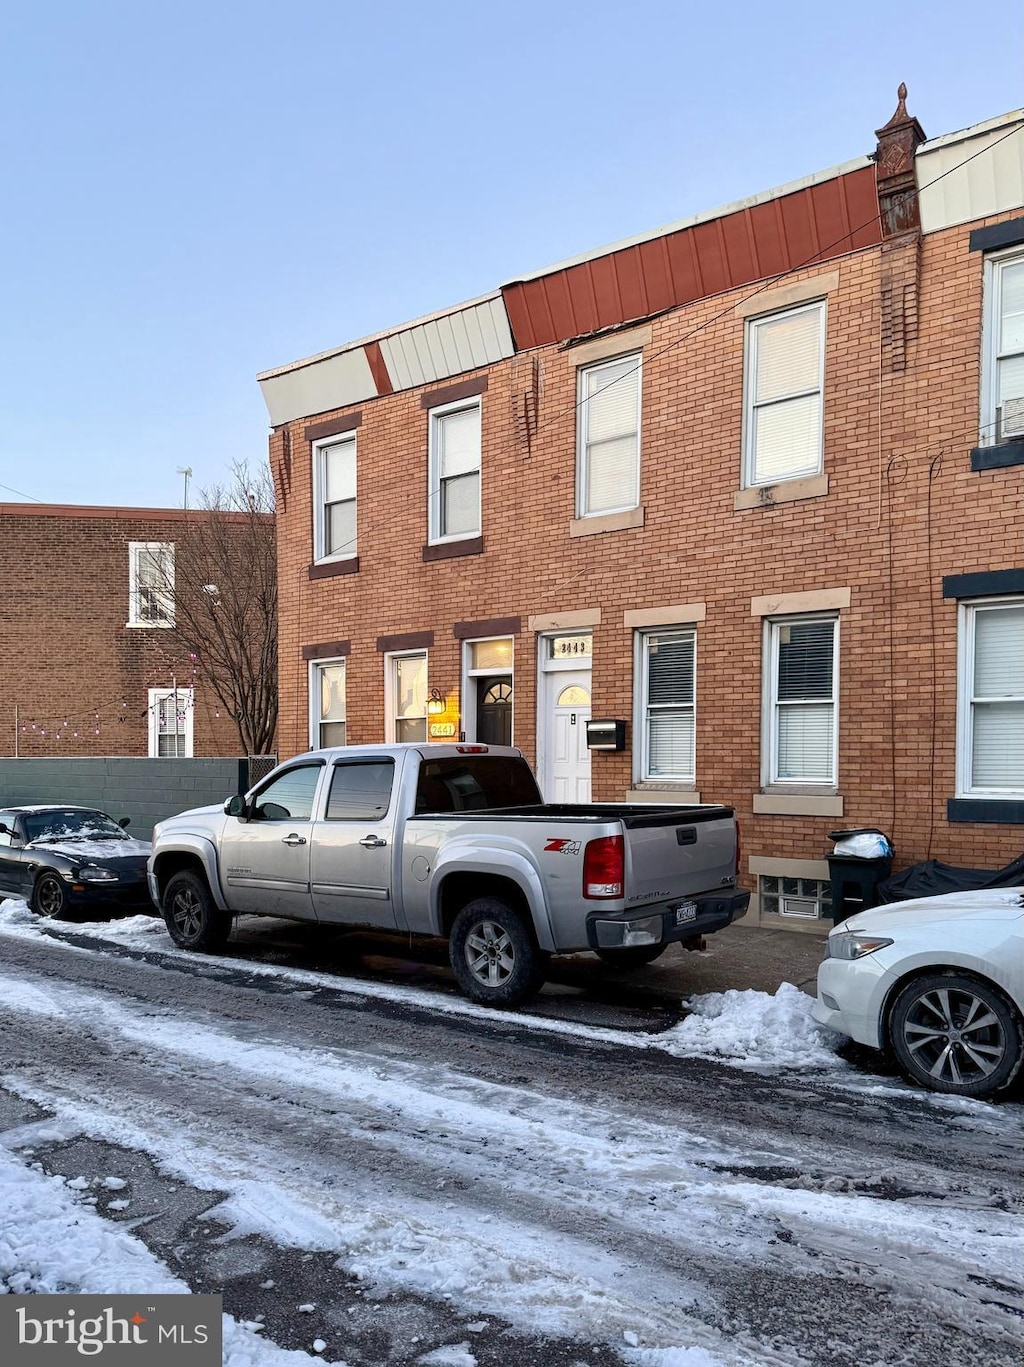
(604, 867)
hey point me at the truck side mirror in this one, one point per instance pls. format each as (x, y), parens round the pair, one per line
(235, 806)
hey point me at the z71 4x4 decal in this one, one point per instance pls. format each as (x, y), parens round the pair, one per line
(563, 846)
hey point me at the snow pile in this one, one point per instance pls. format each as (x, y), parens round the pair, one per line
(754, 1030)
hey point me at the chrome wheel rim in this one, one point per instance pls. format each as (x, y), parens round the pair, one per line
(954, 1036)
(49, 897)
(490, 954)
(186, 913)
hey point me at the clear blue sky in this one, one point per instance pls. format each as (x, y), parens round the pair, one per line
(198, 191)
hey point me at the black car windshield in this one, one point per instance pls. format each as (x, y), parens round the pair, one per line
(70, 823)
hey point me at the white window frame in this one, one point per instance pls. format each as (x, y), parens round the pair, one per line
(469, 712)
(769, 707)
(391, 659)
(641, 730)
(967, 613)
(994, 266)
(582, 406)
(135, 550)
(186, 704)
(750, 342)
(320, 555)
(435, 502)
(315, 666)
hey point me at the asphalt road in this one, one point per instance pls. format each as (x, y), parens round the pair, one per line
(785, 1219)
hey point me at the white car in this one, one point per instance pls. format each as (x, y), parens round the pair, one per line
(938, 982)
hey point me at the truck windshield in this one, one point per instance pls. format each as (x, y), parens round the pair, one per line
(473, 783)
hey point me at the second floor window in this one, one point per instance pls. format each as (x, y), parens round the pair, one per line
(608, 478)
(1002, 415)
(455, 472)
(335, 499)
(783, 409)
(150, 584)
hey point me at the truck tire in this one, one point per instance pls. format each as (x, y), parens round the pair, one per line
(193, 918)
(633, 956)
(493, 954)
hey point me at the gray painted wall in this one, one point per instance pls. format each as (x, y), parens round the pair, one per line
(147, 790)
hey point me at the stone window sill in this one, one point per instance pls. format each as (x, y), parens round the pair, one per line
(451, 550)
(677, 793)
(786, 491)
(997, 457)
(607, 522)
(798, 804)
(327, 569)
(990, 811)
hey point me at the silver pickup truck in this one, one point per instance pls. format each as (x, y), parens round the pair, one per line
(452, 841)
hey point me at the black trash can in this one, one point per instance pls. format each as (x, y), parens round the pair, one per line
(855, 879)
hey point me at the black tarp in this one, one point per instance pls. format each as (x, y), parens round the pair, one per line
(931, 879)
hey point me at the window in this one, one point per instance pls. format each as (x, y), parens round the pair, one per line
(406, 680)
(990, 760)
(801, 670)
(334, 502)
(455, 472)
(360, 791)
(328, 714)
(1002, 417)
(666, 724)
(289, 797)
(782, 409)
(608, 477)
(809, 898)
(150, 584)
(170, 723)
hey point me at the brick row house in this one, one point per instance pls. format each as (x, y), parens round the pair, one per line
(747, 487)
(90, 664)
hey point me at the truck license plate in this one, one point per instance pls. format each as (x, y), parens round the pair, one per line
(685, 911)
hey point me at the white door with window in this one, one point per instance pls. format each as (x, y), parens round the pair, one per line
(565, 759)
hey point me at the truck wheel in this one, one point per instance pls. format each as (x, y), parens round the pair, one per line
(633, 956)
(493, 954)
(192, 917)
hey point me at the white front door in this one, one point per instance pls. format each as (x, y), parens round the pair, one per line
(566, 762)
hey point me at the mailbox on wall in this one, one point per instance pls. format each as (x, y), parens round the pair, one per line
(603, 734)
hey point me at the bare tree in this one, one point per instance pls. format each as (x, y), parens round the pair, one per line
(225, 599)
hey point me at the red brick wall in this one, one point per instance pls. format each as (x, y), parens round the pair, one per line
(67, 661)
(903, 509)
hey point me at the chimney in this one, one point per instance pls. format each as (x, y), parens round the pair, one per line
(898, 140)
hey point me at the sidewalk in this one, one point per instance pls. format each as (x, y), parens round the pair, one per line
(745, 957)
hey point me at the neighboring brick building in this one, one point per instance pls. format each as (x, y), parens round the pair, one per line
(87, 663)
(727, 483)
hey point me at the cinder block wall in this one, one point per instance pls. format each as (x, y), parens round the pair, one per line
(146, 790)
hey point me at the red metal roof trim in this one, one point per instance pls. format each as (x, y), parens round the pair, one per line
(815, 224)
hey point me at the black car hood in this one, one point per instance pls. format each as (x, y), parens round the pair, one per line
(119, 855)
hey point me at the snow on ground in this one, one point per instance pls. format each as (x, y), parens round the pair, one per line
(753, 1030)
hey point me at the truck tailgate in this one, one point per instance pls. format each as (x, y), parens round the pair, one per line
(678, 852)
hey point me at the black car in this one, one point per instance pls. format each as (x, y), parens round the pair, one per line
(66, 859)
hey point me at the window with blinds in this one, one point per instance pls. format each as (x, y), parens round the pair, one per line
(455, 472)
(336, 499)
(1003, 371)
(668, 690)
(608, 478)
(992, 760)
(330, 714)
(783, 411)
(802, 702)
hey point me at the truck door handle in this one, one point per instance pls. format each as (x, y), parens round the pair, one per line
(372, 842)
(294, 840)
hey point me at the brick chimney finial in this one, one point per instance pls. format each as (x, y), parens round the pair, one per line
(898, 140)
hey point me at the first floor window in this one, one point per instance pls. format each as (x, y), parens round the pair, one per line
(667, 692)
(335, 498)
(150, 584)
(328, 709)
(608, 476)
(455, 472)
(991, 696)
(802, 675)
(170, 723)
(408, 696)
